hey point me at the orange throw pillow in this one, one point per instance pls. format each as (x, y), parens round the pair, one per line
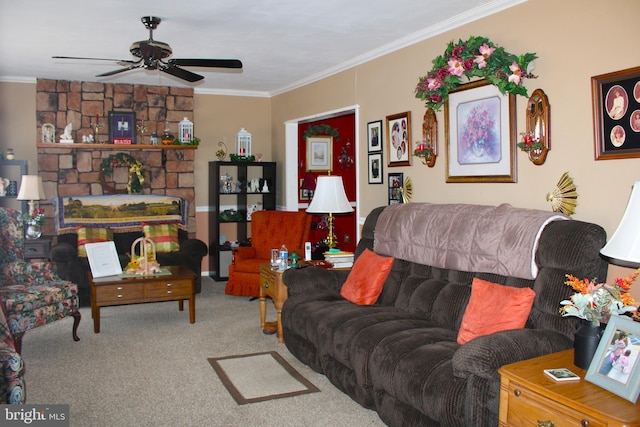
(494, 308)
(364, 283)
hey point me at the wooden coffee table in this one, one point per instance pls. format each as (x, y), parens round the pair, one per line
(178, 286)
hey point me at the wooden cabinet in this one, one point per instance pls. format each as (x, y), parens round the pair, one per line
(528, 397)
(271, 286)
(13, 171)
(231, 195)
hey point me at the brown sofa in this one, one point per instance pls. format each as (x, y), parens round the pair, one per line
(400, 356)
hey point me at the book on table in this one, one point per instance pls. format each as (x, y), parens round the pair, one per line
(342, 264)
(339, 257)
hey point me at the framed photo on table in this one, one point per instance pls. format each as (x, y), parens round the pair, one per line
(480, 134)
(122, 127)
(375, 168)
(319, 157)
(616, 365)
(395, 188)
(615, 99)
(374, 136)
(399, 139)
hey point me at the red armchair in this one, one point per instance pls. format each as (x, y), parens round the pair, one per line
(269, 230)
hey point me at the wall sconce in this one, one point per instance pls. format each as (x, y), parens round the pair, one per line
(536, 141)
(243, 143)
(344, 159)
(427, 149)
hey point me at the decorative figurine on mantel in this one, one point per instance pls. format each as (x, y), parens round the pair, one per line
(66, 137)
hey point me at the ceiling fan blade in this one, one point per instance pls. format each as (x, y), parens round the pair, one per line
(120, 70)
(119, 61)
(179, 72)
(220, 63)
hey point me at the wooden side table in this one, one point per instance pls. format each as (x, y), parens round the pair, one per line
(36, 248)
(528, 397)
(271, 286)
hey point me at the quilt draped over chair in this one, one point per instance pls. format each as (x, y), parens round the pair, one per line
(32, 293)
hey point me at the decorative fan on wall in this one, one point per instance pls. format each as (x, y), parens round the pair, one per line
(153, 55)
(564, 198)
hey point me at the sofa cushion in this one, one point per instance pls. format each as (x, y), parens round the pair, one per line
(494, 308)
(165, 236)
(364, 283)
(92, 235)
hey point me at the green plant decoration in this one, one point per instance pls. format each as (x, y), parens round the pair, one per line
(322, 129)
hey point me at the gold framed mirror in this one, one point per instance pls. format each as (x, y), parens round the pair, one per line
(538, 125)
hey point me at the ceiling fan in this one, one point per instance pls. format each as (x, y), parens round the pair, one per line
(153, 54)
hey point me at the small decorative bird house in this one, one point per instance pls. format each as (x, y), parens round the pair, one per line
(243, 143)
(186, 131)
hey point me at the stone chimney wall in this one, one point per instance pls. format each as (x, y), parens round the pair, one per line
(74, 169)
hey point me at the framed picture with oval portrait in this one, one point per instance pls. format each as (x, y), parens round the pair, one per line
(615, 99)
(399, 139)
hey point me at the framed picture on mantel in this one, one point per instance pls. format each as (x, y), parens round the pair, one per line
(122, 127)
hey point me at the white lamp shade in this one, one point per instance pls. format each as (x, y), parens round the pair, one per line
(31, 188)
(624, 246)
(329, 196)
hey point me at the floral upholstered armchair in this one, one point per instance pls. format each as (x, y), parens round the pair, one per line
(12, 368)
(31, 292)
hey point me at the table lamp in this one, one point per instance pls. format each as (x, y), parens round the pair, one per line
(330, 198)
(31, 189)
(624, 246)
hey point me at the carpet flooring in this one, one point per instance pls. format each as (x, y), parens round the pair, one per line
(257, 377)
(148, 367)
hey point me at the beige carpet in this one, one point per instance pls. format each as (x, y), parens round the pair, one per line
(258, 377)
(148, 367)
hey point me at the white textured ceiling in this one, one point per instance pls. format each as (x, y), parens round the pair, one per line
(283, 44)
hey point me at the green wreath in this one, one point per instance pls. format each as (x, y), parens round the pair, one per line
(323, 129)
(136, 172)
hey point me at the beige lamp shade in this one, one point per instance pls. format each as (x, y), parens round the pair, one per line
(329, 196)
(31, 188)
(624, 246)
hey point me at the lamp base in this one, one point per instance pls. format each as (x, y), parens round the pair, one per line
(33, 232)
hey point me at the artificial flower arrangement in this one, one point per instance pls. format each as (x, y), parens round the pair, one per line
(36, 217)
(143, 258)
(529, 142)
(596, 302)
(476, 57)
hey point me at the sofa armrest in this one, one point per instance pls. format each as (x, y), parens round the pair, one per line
(63, 252)
(12, 370)
(309, 278)
(196, 248)
(484, 355)
(244, 252)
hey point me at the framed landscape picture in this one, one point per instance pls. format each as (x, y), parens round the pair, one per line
(480, 134)
(319, 149)
(615, 99)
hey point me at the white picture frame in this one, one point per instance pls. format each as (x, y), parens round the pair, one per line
(103, 259)
(319, 153)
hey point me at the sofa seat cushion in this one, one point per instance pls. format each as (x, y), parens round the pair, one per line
(414, 366)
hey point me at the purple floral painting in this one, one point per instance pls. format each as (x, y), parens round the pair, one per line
(479, 131)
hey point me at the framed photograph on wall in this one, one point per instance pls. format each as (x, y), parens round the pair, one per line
(395, 188)
(480, 134)
(374, 136)
(122, 127)
(615, 365)
(319, 153)
(615, 99)
(399, 139)
(375, 168)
